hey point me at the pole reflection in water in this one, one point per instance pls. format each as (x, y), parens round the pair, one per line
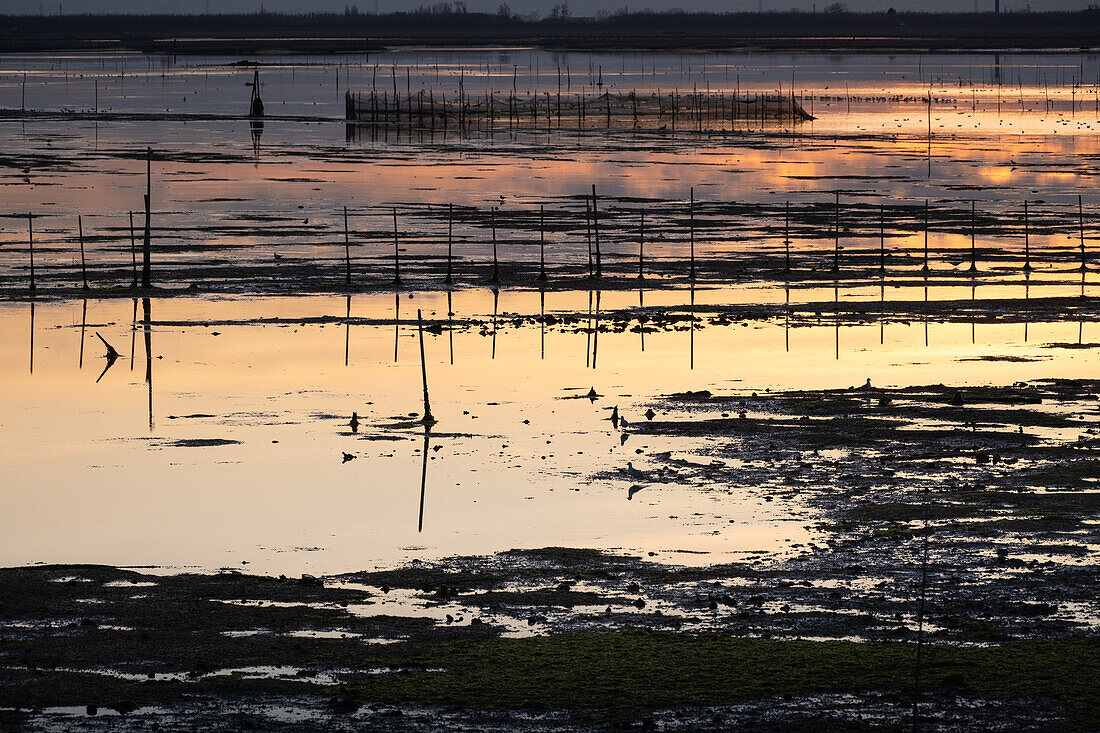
(83, 327)
(787, 318)
(641, 317)
(396, 323)
(423, 476)
(542, 323)
(588, 334)
(691, 330)
(347, 331)
(32, 338)
(836, 319)
(146, 310)
(926, 312)
(496, 297)
(973, 295)
(133, 334)
(450, 328)
(882, 311)
(1027, 309)
(596, 330)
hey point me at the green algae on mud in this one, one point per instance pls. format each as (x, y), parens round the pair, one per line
(623, 674)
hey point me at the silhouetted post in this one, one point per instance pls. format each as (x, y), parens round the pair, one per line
(691, 233)
(588, 233)
(836, 236)
(596, 233)
(973, 247)
(30, 244)
(542, 243)
(146, 252)
(148, 327)
(924, 268)
(1081, 229)
(495, 276)
(882, 238)
(641, 246)
(787, 238)
(347, 250)
(450, 231)
(396, 253)
(1027, 244)
(133, 254)
(428, 419)
(83, 265)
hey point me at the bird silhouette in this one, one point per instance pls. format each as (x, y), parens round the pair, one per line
(354, 423)
(615, 417)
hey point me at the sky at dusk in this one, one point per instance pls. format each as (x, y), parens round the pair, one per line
(524, 7)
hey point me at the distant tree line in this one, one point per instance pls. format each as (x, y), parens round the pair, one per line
(451, 22)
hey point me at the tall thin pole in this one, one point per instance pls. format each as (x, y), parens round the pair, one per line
(427, 419)
(495, 277)
(133, 251)
(787, 238)
(347, 250)
(1027, 243)
(973, 246)
(691, 233)
(596, 230)
(30, 244)
(396, 253)
(1081, 229)
(836, 236)
(882, 238)
(542, 241)
(588, 233)
(450, 232)
(924, 268)
(146, 251)
(83, 264)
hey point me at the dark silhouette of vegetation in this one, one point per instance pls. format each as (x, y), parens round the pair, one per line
(449, 23)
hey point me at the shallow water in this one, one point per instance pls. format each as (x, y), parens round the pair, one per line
(1002, 128)
(225, 447)
(127, 471)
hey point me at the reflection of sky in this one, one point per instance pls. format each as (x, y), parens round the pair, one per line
(86, 480)
(994, 143)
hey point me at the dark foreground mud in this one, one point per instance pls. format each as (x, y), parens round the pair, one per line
(952, 579)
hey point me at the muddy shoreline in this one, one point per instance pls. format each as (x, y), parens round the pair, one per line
(960, 519)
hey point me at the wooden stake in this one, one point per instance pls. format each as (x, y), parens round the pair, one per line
(495, 276)
(347, 250)
(691, 233)
(836, 236)
(882, 239)
(1027, 244)
(133, 254)
(30, 243)
(787, 239)
(596, 233)
(450, 231)
(147, 247)
(427, 419)
(83, 265)
(973, 246)
(542, 243)
(1081, 229)
(396, 253)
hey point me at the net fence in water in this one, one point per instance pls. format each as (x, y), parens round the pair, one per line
(609, 110)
